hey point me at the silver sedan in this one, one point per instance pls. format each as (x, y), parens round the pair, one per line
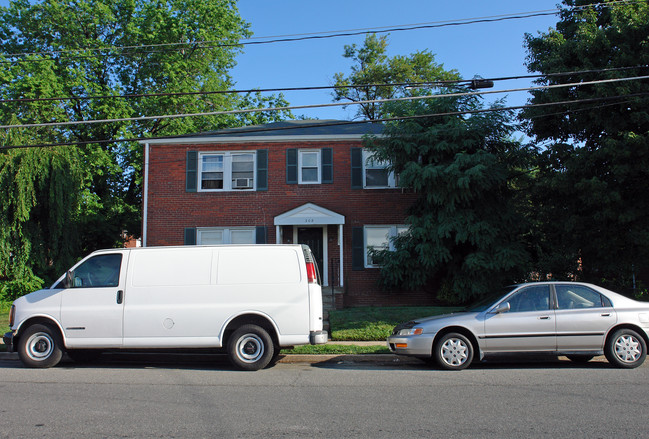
(577, 320)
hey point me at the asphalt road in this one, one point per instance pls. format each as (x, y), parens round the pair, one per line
(130, 397)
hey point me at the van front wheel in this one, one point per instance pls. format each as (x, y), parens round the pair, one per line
(250, 347)
(40, 346)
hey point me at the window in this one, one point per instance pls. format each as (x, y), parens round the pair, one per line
(535, 298)
(309, 167)
(98, 271)
(227, 171)
(233, 235)
(577, 297)
(380, 238)
(376, 173)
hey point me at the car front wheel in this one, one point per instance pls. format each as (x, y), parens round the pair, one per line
(453, 351)
(40, 346)
(626, 349)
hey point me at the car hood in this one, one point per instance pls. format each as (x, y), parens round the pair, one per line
(446, 319)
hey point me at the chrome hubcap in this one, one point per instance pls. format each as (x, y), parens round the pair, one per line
(250, 348)
(454, 352)
(40, 346)
(627, 348)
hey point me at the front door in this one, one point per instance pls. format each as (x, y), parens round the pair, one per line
(312, 236)
(92, 308)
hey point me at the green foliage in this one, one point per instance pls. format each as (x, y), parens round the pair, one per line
(373, 66)
(590, 200)
(466, 226)
(376, 323)
(11, 289)
(86, 55)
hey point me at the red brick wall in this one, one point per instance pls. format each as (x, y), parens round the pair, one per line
(171, 209)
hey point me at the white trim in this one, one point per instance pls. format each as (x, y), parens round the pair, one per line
(309, 214)
(145, 189)
(300, 165)
(227, 170)
(256, 139)
(340, 246)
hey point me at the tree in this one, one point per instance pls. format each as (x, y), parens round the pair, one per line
(465, 227)
(591, 203)
(94, 60)
(372, 65)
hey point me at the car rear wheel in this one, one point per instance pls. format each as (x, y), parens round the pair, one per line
(40, 346)
(626, 349)
(453, 351)
(250, 348)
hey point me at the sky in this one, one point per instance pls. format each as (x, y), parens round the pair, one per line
(484, 49)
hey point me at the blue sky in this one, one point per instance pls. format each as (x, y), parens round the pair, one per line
(485, 49)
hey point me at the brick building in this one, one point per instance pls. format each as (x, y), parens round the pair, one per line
(289, 182)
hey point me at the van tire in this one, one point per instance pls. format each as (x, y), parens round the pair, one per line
(250, 347)
(40, 346)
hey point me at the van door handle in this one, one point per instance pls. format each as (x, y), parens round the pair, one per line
(120, 297)
(544, 318)
(606, 314)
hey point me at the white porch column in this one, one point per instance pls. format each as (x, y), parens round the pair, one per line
(340, 246)
(278, 235)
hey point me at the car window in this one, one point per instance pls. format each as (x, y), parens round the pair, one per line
(578, 296)
(98, 271)
(533, 298)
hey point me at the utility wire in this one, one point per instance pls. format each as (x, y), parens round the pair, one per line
(324, 87)
(335, 104)
(339, 123)
(302, 37)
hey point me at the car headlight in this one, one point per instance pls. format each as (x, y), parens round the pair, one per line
(411, 331)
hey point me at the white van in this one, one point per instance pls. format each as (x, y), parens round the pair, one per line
(251, 299)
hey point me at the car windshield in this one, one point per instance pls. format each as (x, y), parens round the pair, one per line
(488, 299)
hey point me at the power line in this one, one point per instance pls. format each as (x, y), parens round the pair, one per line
(315, 88)
(335, 104)
(338, 123)
(206, 44)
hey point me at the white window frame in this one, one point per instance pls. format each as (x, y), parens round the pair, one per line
(392, 180)
(300, 165)
(227, 233)
(227, 170)
(394, 229)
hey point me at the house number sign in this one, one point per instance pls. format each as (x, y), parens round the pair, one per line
(309, 220)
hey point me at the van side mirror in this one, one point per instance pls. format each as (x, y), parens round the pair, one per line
(501, 308)
(67, 281)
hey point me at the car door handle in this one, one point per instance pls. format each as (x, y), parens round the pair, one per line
(120, 297)
(606, 314)
(544, 318)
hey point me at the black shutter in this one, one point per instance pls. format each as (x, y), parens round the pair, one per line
(260, 234)
(291, 166)
(262, 170)
(358, 249)
(190, 236)
(191, 174)
(357, 168)
(327, 165)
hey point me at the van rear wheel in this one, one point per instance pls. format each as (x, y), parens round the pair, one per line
(250, 347)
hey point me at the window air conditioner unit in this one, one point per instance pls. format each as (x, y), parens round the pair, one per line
(242, 183)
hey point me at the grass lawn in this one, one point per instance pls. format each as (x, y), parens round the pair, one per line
(376, 323)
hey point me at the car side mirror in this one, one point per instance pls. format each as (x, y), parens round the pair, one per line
(501, 308)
